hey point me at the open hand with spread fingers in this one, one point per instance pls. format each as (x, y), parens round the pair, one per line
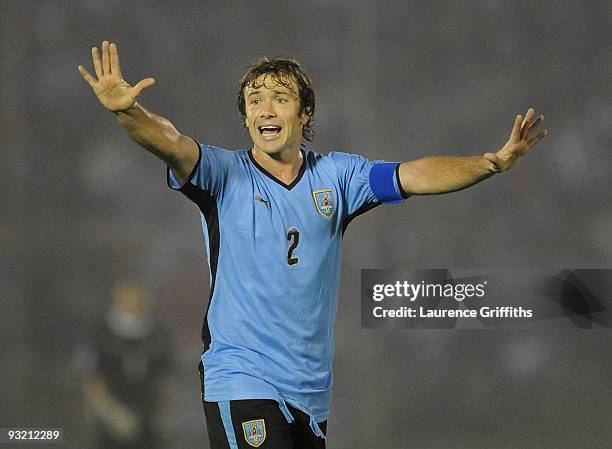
(112, 90)
(520, 142)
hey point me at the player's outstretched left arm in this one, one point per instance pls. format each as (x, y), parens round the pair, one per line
(442, 174)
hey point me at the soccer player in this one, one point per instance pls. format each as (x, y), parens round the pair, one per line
(273, 217)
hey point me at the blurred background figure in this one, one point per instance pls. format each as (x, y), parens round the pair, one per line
(126, 388)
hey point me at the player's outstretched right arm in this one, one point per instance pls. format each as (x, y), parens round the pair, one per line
(153, 132)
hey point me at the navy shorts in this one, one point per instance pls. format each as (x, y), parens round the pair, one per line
(249, 423)
(259, 423)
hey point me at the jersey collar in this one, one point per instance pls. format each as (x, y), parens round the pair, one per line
(274, 178)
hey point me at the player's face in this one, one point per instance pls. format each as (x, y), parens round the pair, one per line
(272, 116)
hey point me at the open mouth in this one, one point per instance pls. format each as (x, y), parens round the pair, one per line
(269, 130)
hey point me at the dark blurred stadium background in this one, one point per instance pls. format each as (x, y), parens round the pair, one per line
(83, 207)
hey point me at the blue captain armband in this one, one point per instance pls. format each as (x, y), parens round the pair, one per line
(385, 183)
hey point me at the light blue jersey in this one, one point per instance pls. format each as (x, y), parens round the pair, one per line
(274, 252)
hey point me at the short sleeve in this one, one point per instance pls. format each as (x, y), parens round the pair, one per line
(210, 172)
(366, 184)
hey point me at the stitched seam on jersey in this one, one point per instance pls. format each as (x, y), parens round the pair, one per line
(362, 210)
(207, 204)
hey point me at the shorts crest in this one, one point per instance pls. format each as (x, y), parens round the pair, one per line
(254, 432)
(325, 201)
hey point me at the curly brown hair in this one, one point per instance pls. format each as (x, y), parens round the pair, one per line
(282, 71)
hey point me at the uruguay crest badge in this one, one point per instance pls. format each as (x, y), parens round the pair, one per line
(325, 201)
(254, 432)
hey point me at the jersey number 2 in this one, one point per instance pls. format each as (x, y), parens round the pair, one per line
(293, 236)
